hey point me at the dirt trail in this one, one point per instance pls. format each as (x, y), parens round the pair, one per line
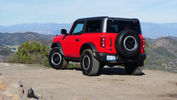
(113, 84)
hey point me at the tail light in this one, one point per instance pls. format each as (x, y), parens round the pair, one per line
(103, 42)
(144, 42)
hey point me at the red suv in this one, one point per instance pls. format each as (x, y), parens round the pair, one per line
(99, 41)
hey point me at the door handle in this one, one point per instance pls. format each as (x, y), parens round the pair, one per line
(77, 40)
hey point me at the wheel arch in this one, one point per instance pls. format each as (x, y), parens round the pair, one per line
(88, 46)
(57, 44)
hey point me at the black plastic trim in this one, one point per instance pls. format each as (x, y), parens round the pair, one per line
(58, 44)
(103, 17)
(120, 61)
(91, 45)
(73, 59)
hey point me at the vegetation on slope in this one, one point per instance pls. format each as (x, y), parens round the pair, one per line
(161, 54)
(31, 53)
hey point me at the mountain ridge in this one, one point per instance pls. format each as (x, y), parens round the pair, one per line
(157, 30)
(43, 28)
(19, 38)
(162, 54)
(149, 30)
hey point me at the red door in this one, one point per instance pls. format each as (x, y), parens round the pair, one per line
(72, 42)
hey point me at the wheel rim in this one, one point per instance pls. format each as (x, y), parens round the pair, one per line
(130, 43)
(86, 62)
(56, 58)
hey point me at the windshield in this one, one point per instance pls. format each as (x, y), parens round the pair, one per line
(115, 26)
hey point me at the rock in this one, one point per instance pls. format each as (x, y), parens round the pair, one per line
(31, 94)
(21, 88)
(3, 86)
(30, 99)
(17, 92)
(27, 93)
(15, 97)
(3, 97)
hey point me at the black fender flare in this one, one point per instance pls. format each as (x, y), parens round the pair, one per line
(90, 46)
(57, 44)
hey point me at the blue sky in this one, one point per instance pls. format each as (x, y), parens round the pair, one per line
(66, 11)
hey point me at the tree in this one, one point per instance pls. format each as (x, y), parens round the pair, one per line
(31, 53)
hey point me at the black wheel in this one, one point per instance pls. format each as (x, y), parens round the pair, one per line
(133, 69)
(56, 60)
(89, 64)
(128, 44)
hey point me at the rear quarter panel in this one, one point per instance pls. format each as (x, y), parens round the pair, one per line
(95, 38)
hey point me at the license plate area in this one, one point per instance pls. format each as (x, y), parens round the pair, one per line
(110, 58)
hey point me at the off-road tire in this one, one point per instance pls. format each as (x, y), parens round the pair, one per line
(89, 64)
(120, 42)
(133, 69)
(55, 55)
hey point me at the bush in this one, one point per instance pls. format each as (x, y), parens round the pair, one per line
(31, 53)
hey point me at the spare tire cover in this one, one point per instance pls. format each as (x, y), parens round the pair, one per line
(127, 44)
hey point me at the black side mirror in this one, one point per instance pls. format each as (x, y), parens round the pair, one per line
(63, 31)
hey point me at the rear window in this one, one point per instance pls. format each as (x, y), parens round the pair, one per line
(115, 26)
(93, 26)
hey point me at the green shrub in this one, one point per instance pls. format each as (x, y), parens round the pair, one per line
(31, 53)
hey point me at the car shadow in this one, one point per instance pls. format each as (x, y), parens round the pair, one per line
(77, 69)
(109, 71)
(116, 71)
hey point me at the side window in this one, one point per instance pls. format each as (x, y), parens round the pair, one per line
(93, 26)
(112, 27)
(78, 28)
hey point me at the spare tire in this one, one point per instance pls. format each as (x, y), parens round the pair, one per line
(127, 44)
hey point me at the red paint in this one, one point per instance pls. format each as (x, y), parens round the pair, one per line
(71, 47)
(142, 43)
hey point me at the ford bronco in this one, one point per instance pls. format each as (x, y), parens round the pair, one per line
(99, 41)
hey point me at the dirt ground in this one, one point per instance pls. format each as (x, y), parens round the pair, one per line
(113, 84)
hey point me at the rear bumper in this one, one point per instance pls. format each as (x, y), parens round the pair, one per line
(103, 57)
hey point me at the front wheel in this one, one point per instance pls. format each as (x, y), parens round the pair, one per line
(56, 60)
(133, 69)
(89, 64)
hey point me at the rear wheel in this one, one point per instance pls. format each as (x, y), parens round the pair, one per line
(56, 60)
(133, 69)
(89, 64)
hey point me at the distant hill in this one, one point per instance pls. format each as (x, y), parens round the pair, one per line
(19, 38)
(49, 28)
(175, 38)
(150, 30)
(162, 54)
(9, 42)
(154, 30)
